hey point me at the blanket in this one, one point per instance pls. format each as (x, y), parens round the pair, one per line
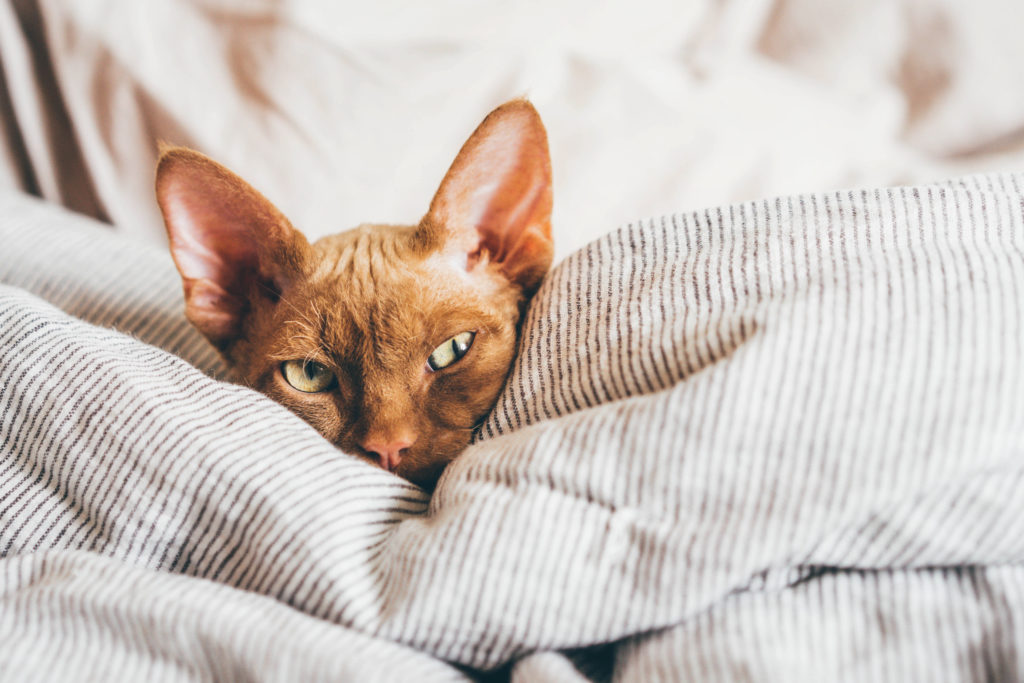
(777, 440)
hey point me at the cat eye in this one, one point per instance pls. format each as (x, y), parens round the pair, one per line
(307, 376)
(451, 351)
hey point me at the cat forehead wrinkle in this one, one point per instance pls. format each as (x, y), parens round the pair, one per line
(337, 251)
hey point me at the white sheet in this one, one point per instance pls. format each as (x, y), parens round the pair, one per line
(350, 112)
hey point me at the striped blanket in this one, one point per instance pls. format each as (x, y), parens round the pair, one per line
(781, 440)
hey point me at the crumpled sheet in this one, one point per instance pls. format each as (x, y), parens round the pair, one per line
(777, 440)
(349, 112)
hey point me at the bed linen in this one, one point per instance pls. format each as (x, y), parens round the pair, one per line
(775, 440)
(345, 112)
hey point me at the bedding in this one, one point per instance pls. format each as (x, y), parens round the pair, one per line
(347, 112)
(775, 440)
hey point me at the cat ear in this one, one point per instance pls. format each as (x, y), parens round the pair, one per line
(495, 199)
(229, 242)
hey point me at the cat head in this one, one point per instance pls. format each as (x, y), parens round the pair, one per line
(392, 341)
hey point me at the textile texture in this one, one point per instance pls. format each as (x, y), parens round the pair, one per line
(778, 440)
(347, 112)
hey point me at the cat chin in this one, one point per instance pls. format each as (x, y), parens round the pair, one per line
(425, 470)
(426, 478)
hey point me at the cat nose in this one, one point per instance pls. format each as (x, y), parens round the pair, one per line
(389, 452)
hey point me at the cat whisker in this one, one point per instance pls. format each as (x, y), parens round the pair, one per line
(464, 429)
(313, 323)
(310, 356)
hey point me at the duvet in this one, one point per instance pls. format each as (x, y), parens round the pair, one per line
(778, 440)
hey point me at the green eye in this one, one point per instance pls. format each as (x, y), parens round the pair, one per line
(307, 376)
(451, 351)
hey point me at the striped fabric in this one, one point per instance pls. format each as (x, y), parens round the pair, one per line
(782, 440)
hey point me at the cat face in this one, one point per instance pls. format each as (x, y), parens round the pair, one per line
(392, 341)
(362, 348)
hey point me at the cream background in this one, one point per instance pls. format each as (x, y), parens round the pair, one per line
(345, 112)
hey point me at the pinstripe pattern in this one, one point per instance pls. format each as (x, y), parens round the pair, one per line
(959, 624)
(783, 439)
(107, 620)
(76, 264)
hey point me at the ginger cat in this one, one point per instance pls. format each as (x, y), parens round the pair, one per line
(392, 341)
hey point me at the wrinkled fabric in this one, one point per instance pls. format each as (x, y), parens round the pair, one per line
(345, 113)
(776, 440)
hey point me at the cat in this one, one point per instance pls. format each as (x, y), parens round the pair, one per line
(392, 341)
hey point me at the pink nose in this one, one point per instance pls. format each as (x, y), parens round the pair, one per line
(389, 453)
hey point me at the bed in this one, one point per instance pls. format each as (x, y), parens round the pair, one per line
(779, 438)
